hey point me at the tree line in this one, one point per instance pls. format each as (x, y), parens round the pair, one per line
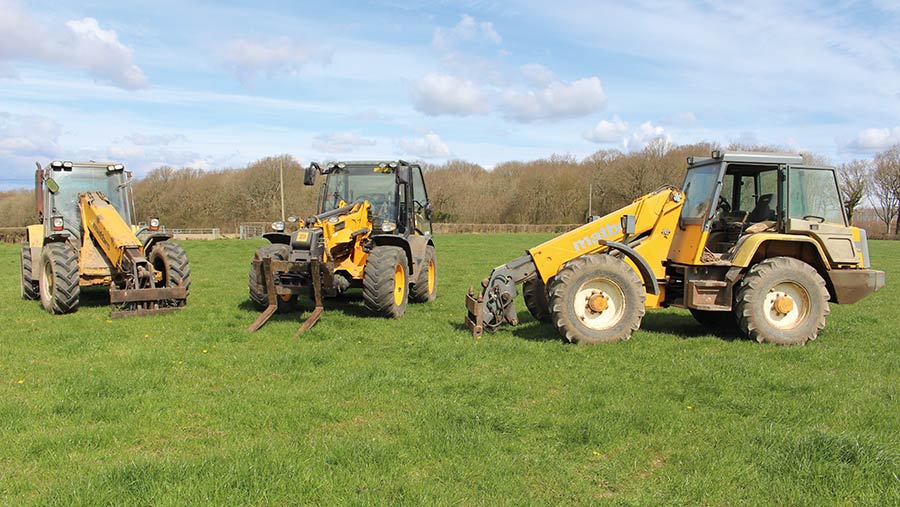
(560, 189)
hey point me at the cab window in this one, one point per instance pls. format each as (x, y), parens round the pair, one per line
(813, 195)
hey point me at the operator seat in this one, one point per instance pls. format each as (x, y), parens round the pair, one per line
(763, 210)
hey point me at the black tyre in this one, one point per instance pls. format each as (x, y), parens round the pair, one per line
(723, 322)
(171, 260)
(424, 289)
(386, 282)
(596, 299)
(30, 287)
(783, 301)
(535, 294)
(59, 278)
(258, 294)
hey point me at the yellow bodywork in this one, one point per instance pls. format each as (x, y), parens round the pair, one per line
(747, 248)
(102, 223)
(345, 229)
(656, 221)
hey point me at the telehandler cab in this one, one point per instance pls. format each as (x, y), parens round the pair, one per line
(372, 230)
(87, 237)
(754, 240)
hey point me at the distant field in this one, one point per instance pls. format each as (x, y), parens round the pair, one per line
(190, 409)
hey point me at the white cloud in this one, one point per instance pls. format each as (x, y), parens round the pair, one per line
(428, 146)
(29, 136)
(537, 74)
(139, 139)
(249, 59)
(78, 44)
(875, 139)
(645, 134)
(467, 30)
(607, 132)
(437, 94)
(340, 142)
(559, 99)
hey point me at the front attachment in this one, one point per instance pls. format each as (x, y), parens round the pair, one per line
(266, 267)
(149, 301)
(268, 274)
(495, 305)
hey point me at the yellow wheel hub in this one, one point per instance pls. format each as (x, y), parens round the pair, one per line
(431, 276)
(399, 285)
(784, 304)
(598, 302)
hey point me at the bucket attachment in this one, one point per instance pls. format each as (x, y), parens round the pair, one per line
(148, 301)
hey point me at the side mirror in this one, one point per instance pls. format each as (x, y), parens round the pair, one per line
(52, 185)
(309, 177)
(428, 209)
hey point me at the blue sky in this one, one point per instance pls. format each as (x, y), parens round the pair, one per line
(219, 84)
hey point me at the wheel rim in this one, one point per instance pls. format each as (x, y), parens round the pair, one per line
(431, 276)
(399, 284)
(786, 305)
(47, 285)
(599, 304)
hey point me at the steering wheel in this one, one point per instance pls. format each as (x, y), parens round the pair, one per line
(723, 205)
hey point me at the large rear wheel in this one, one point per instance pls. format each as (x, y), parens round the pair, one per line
(59, 287)
(385, 281)
(596, 299)
(425, 287)
(782, 300)
(258, 293)
(30, 288)
(534, 292)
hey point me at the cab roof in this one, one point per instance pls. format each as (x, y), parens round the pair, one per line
(767, 158)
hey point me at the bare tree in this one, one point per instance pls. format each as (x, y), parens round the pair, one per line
(853, 177)
(886, 187)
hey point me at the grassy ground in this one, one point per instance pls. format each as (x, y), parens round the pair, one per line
(190, 409)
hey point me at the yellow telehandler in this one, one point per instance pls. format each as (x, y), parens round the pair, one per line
(759, 241)
(86, 237)
(372, 230)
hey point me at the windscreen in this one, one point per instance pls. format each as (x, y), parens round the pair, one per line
(358, 183)
(80, 180)
(699, 185)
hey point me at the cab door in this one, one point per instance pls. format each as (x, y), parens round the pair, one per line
(814, 208)
(421, 206)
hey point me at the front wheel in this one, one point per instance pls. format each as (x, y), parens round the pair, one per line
(171, 260)
(385, 281)
(596, 299)
(30, 287)
(60, 291)
(783, 301)
(534, 292)
(425, 287)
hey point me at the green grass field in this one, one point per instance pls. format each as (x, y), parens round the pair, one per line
(190, 409)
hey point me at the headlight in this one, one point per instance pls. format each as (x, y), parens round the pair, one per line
(56, 164)
(67, 165)
(278, 226)
(58, 223)
(388, 226)
(154, 224)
